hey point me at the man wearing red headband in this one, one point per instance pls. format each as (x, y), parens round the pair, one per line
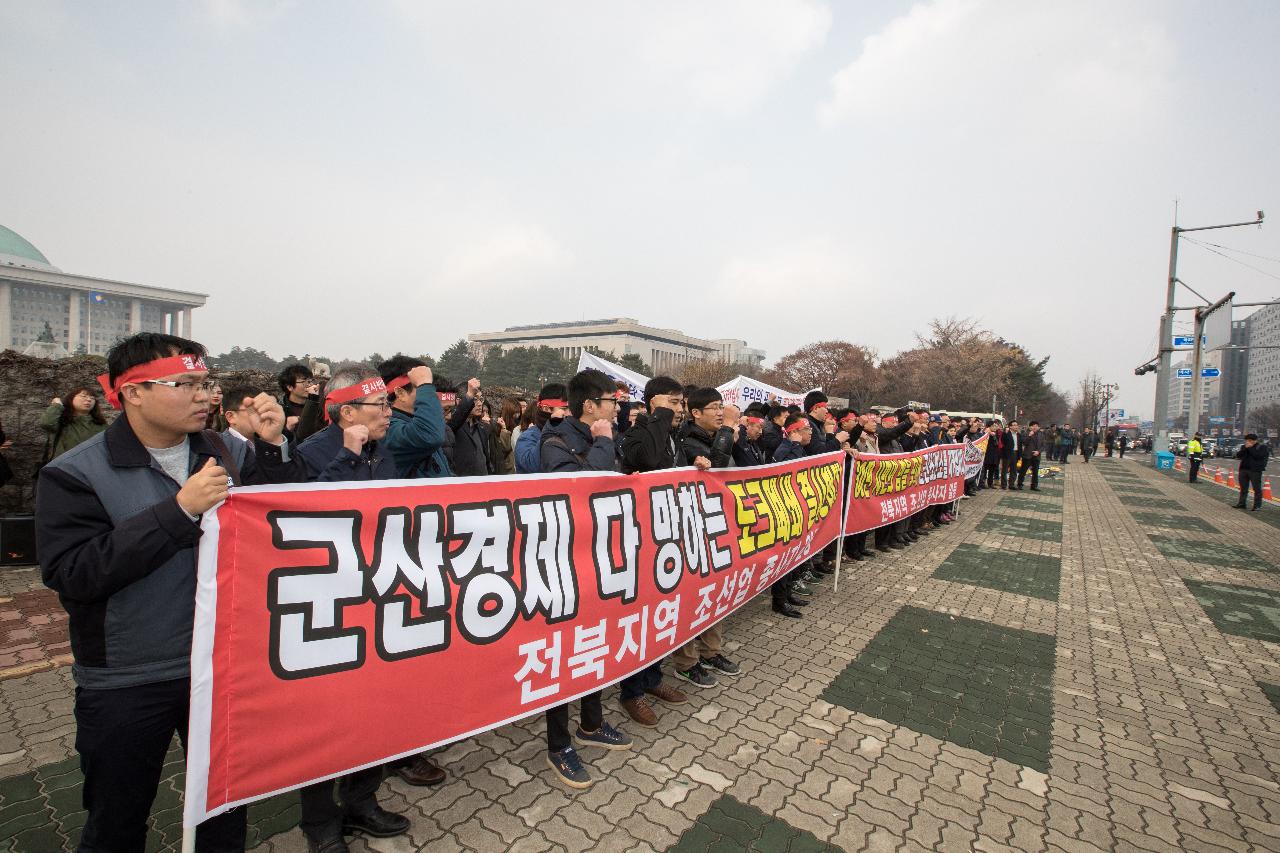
(827, 438)
(552, 408)
(747, 451)
(415, 436)
(117, 524)
(797, 433)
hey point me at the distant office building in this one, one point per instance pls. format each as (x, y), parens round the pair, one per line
(661, 349)
(1235, 374)
(1264, 359)
(1180, 387)
(83, 314)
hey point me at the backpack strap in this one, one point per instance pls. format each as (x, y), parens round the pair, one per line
(224, 453)
(560, 442)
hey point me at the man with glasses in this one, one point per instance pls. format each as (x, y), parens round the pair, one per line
(358, 412)
(117, 523)
(348, 450)
(581, 442)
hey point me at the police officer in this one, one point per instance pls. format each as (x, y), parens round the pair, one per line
(1195, 452)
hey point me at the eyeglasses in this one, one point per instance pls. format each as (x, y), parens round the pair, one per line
(613, 400)
(383, 404)
(189, 386)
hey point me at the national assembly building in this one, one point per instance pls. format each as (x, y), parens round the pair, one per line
(80, 313)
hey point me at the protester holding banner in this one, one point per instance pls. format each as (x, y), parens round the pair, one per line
(893, 427)
(855, 545)
(797, 433)
(582, 442)
(117, 524)
(708, 436)
(650, 445)
(747, 450)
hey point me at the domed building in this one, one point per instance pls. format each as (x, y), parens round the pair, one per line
(84, 314)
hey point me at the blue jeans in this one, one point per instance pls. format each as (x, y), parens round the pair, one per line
(634, 686)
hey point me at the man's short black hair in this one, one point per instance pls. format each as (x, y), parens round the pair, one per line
(443, 385)
(587, 385)
(550, 391)
(660, 385)
(1034, 423)
(703, 397)
(398, 365)
(1014, 421)
(233, 397)
(1251, 436)
(775, 410)
(755, 410)
(292, 375)
(793, 409)
(792, 419)
(147, 346)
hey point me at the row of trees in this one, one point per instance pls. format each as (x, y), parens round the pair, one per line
(956, 365)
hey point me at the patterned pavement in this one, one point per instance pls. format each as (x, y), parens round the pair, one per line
(1091, 667)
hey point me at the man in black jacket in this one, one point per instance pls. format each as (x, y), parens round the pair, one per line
(771, 437)
(117, 524)
(1031, 448)
(471, 435)
(747, 451)
(827, 438)
(709, 437)
(889, 434)
(1253, 461)
(650, 445)
(1010, 453)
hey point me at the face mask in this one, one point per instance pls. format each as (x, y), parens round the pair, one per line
(555, 421)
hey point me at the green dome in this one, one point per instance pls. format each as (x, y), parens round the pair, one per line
(14, 250)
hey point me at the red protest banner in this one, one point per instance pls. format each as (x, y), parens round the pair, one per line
(339, 626)
(884, 488)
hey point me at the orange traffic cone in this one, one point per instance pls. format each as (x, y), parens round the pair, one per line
(1217, 477)
(1266, 490)
(1177, 464)
(1231, 480)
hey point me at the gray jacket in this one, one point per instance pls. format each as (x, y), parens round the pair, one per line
(121, 553)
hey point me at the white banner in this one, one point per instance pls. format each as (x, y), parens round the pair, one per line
(635, 381)
(743, 391)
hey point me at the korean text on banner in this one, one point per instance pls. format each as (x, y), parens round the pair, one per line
(742, 391)
(884, 488)
(377, 620)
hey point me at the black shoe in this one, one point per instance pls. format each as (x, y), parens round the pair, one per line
(1238, 506)
(883, 548)
(897, 546)
(336, 844)
(378, 822)
(868, 554)
(784, 609)
(797, 602)
(857, 558)
(1257, 507)
(824, 570)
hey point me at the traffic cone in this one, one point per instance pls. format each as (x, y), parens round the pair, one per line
(1177, 464)
(1266, 490)
(1217, 477)
(1231, 480)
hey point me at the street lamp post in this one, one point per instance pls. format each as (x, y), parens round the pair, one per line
(1107, 388)
(1165, 359)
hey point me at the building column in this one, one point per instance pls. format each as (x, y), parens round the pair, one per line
(135, 316)
(186, 323)
(6, 316)
(73, 325)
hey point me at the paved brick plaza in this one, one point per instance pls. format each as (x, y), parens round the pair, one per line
(1091, 667)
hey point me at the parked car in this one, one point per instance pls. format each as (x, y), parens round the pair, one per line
(1227, 447)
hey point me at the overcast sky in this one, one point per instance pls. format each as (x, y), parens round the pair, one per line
(391, 175)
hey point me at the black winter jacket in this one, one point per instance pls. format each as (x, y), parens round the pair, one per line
(328, 461)
(718, 448)
(471, 441)
(570, 446)
(650, 445)
(1253, 458)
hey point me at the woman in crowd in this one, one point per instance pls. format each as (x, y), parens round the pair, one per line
(216, 421)
(504, 445)
(72, 420)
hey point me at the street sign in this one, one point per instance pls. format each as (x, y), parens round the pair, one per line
(1115, 414)
(1184, 372)
(1186, 341)
(1210, 372)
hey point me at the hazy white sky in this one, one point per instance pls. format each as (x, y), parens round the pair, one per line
(390, 175)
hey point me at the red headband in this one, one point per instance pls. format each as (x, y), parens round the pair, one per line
(797, 425)
(148, 371)
(848, 419)
(396, 384)
(554, 403)
(447, 396)
(751, 419)
(353, 392)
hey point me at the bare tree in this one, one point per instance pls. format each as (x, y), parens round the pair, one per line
(838, 367)
(1264, 419)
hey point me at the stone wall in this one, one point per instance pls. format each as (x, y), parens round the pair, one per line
(27, 384)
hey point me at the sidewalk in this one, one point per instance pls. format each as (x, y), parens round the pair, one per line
(1089, 667)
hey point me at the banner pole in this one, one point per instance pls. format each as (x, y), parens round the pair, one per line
(844, 519)
(188, 839)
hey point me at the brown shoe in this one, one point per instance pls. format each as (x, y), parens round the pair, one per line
(422, 771)
(638, 709)
(668, 695)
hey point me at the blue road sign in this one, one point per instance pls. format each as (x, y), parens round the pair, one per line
(1186, 340)
(1184, 372)
(1210, 372)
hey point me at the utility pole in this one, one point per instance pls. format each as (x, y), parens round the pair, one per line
(1107, 388)
(1197, 382)
(1165, 367)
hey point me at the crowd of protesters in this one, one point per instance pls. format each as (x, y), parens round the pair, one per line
(118, 522)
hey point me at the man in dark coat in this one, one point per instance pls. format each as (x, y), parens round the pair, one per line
(1031, 450)
(1010, 453)
(1253, 457)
